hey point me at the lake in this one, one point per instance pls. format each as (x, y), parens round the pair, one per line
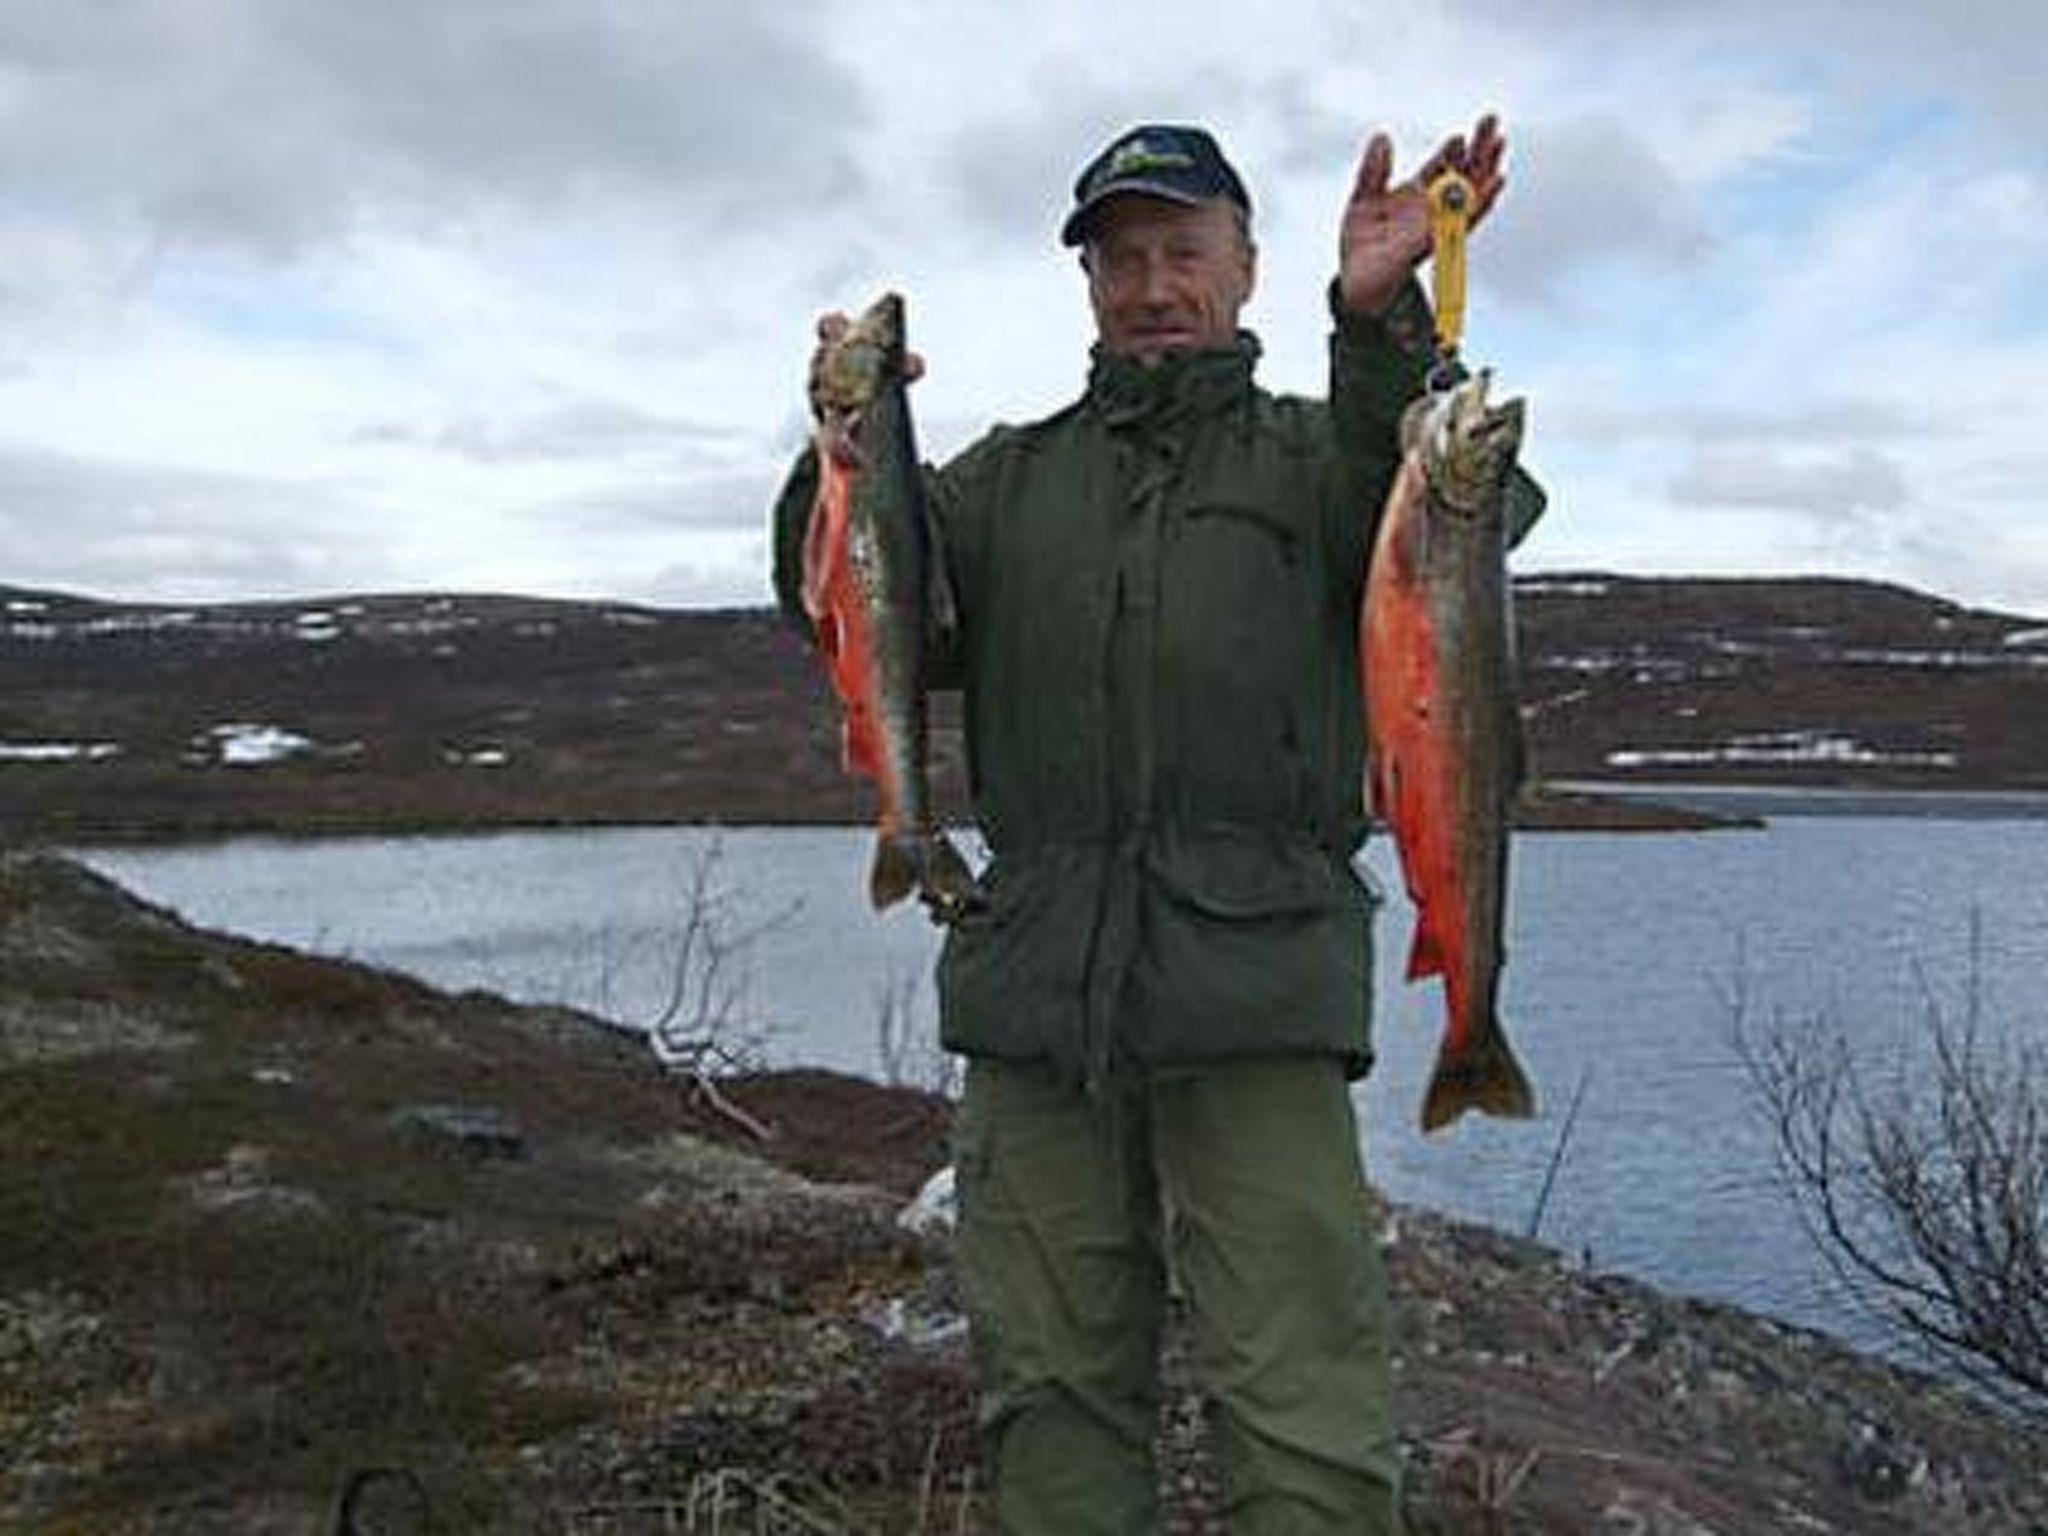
(1627, 955)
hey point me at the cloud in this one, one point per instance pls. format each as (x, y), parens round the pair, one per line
(578, 429)
(1854, 483)
(1608, 417)
(711, 499)
(162, 530)
(730, 573)
(269, 126)
(342, 292)
(1590, 192)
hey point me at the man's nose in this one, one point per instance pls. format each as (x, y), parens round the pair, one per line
(1155, 287)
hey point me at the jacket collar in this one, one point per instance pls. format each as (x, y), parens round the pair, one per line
(1128, 394)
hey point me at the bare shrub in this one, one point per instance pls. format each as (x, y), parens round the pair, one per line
(706, 1028)
(1925, 1187)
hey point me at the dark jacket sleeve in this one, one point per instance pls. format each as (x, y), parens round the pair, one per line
(791, 517)
(1378, 364)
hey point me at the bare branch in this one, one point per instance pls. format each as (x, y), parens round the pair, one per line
(1928, 1197)
(704, 1029)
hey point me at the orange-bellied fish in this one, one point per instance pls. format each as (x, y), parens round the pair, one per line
(868, 588)
(1444, 733)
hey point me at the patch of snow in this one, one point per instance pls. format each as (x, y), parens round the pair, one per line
(1592, 662)
(2023, 637)
(1783, 747)
(137, 623)
(479, 757)
(243, 744)
(1727, 647)
(58, 751)
(1539, 586)
(1556, 701)
(1946, 660)
(27, 605)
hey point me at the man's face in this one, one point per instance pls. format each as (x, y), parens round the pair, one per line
(1166, 277)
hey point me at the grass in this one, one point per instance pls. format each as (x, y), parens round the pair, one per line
(234, 1270)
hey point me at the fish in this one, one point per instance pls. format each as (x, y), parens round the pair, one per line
(1444, 752)
(872, 594)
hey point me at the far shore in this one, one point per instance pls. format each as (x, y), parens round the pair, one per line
(1765, 800)
(1560, 805)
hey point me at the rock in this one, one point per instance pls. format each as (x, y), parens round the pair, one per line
(1637, 1513)
(1879, 1469)
(382, 1501)
(936, 1208)
(241, 1182)
(483, 1132)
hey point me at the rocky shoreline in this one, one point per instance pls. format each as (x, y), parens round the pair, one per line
(286, 1237)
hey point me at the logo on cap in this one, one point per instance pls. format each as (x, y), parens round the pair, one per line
(1136, 156)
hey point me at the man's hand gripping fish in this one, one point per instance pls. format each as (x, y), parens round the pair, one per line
(869, 589)
(1445, 733)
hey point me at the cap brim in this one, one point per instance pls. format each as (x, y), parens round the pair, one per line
(1075, 230)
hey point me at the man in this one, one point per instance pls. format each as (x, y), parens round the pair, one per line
(1166, 991)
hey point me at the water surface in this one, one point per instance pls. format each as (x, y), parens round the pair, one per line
(1630, 958)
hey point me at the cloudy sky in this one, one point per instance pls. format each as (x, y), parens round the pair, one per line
(311, 296)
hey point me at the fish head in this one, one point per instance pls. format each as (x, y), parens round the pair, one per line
(1468, 447)
(865, 360)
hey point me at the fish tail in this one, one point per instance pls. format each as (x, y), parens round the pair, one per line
(946, 874)
(1484, 1076)
(926, 862)
(1425, 950)
(897, 870)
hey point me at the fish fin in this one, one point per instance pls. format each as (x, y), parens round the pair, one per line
(859, 742)
(1426, 952)
(825, 624)
(896, 872)
(1484, 1076)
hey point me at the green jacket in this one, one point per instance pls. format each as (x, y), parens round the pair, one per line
(1157, 592)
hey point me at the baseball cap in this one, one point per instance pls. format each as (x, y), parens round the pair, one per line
(1169, 160)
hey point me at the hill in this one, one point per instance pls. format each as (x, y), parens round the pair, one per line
(413, 711)
(283, 1236)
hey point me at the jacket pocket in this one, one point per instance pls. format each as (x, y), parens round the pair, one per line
(1010, 974)
(1254, 946)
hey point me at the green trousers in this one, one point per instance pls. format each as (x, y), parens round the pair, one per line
(1245, 1178)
